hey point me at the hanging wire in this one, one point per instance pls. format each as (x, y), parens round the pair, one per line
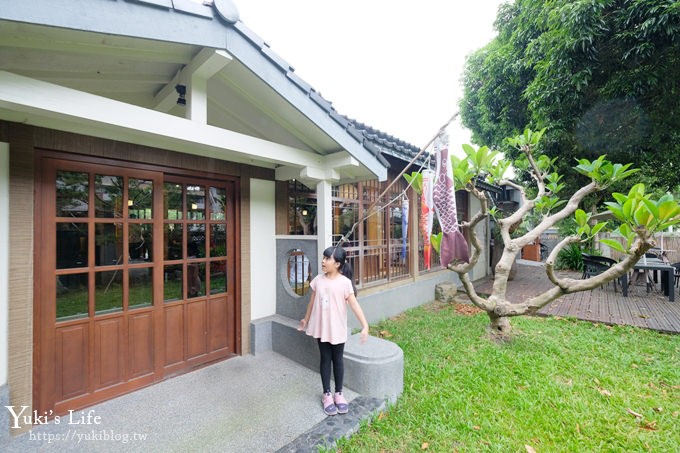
(371, 210)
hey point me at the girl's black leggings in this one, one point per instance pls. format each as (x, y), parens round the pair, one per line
(331, 353)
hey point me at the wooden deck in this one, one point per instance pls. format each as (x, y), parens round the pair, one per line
(647, 310)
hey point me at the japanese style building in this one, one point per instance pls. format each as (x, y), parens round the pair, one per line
(167, 183)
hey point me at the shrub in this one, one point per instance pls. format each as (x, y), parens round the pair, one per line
(570, 258)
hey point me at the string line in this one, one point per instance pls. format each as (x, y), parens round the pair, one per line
(371, 210)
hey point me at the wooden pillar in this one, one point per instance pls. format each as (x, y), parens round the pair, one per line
(413, 232)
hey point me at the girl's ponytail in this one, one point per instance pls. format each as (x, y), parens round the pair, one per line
(347, 271)
(340, 256)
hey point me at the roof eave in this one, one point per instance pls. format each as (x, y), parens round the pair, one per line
(177, 22)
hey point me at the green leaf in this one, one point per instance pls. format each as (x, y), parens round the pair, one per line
(581, 217)
(480, 157)
(652, 207)
(620, 171)
(663, 226)
(497, 171)
(628, 209)
(597, 228)
(415, 180)
(637, 190)
(643, 217)
(616, 210)
(616, 245)
(625, 230)
(436, 241)
(668, 209)
(468, 149)
(621, 198)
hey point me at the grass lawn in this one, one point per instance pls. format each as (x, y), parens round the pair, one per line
(561, 386)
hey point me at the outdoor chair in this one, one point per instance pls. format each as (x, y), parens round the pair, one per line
(676, 273)
(588, 271)
(595, 265)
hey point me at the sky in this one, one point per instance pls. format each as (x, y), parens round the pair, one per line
(394, 65)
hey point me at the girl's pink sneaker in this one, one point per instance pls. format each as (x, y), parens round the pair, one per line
(328, 404)
(341, 404)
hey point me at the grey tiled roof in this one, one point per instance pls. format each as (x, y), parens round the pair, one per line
(387, 144)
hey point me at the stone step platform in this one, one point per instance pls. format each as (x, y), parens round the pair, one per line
(373, 369)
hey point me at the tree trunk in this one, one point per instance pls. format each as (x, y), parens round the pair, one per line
(500, 329)
(496, 253)
(496, 257)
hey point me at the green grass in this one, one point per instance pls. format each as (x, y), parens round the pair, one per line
(74, 303)
(560, 386)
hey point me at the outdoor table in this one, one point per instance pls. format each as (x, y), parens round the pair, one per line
(653, 264)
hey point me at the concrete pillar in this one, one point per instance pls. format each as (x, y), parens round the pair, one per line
(197, 100)
(262, 246)
(324, 217)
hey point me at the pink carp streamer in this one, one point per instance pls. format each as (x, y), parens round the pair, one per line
(427, 213)
(453, 245)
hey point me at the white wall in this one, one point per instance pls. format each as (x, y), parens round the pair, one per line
(262, 248)
(4, 260)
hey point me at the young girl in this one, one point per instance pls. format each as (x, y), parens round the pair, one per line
(326, 320)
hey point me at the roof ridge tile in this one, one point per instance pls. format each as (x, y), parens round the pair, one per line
(300, 82)
(250, 35)
(320, 101)
(276, 58)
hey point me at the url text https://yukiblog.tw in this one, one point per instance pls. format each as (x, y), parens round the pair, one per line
(101, 435)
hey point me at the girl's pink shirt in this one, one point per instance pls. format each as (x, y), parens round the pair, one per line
(328, 320)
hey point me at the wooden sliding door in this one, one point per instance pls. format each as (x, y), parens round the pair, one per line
(135, 279)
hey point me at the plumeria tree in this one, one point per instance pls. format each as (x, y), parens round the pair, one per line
(638, 214)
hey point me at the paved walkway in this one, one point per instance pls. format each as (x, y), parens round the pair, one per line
(263, 403)
(642, 309)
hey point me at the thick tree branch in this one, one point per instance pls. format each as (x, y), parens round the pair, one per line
(570, 285)
(474, 239)
(512, 184)
(535, 171)
(567, 210)
(552, 258)
(478, 301)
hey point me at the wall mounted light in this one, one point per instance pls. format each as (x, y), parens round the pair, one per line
(181, 91)
(304, 212)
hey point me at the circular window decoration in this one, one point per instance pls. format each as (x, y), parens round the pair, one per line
(298, 271)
